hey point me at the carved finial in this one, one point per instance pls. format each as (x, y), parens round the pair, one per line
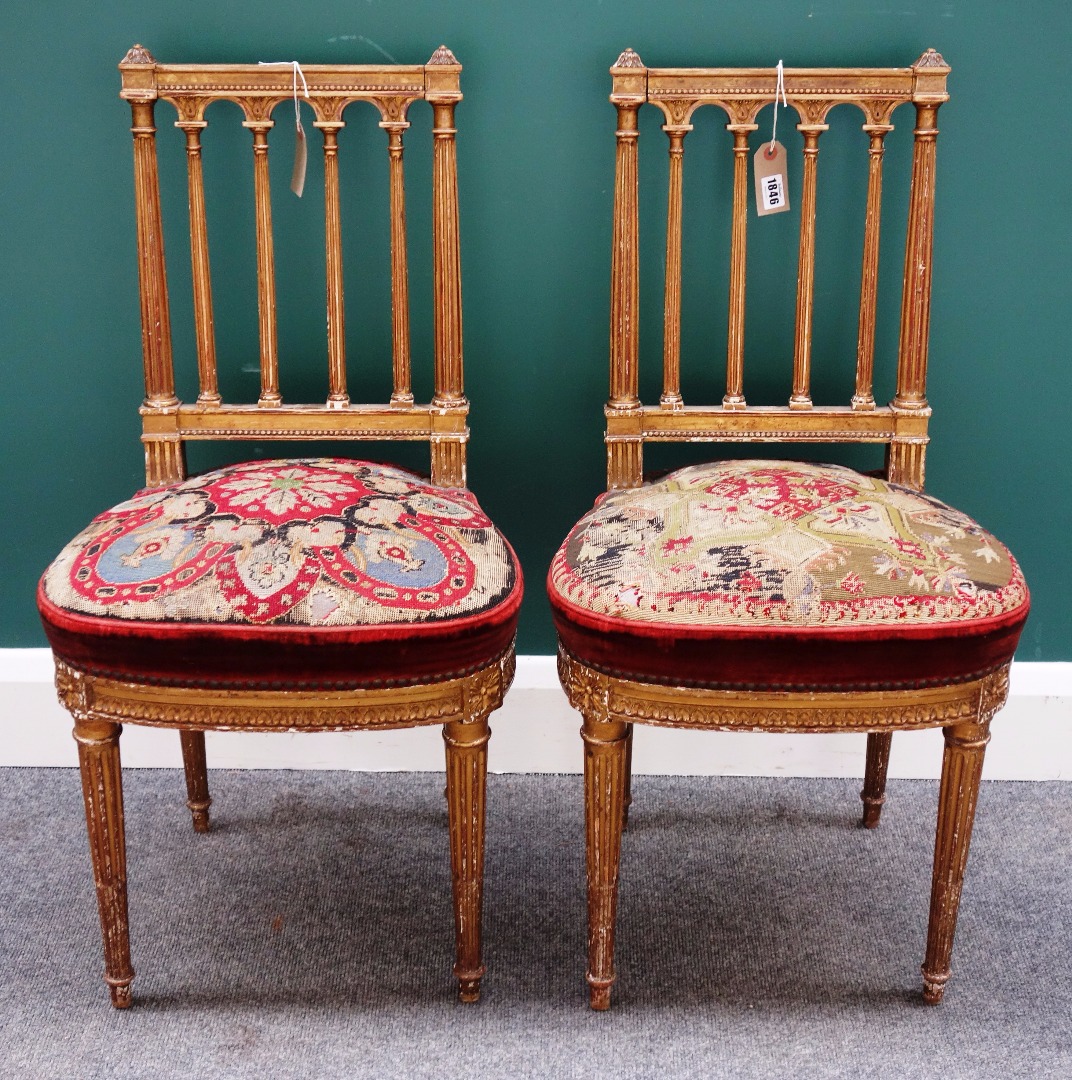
(139, 54)
(629, 59)
(442, 56)
(931, 59)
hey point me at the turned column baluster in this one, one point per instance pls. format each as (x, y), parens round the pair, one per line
(446, 257)
(734, 397)
(402, 393)
(202, 281)
(864, 398)
(671, 396)
(269, 396)
(801, 396)
(337, 395)
(152, 273)
(916, 295)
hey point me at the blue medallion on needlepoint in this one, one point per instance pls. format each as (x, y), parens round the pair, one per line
(303, 542)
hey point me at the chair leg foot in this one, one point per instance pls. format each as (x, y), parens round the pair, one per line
(469, 988)
(121, 994)
(102, 791)
(196, 768)
(934, 987)
(874, 789)
(467, 771)
(598, 997)
(962, 766)
(605, 749)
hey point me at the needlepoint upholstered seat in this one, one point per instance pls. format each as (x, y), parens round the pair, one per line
(302, 594)
(780, 595)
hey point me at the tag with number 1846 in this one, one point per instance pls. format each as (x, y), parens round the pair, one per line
(772, 191)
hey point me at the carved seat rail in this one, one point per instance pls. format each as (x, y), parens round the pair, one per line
(741, 94)
(258, 90)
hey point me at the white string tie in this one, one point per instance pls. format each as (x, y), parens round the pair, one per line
(297, 179)
(297, 72)
(778, 92)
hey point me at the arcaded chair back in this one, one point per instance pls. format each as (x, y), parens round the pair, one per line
(303, 593)
(330, 90)
(780, 595)
(741, 93)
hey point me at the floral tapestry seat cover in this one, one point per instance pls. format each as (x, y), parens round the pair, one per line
(784, 575)
(317, 573)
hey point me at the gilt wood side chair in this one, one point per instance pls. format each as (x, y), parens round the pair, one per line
(305, 594)
(780, 595)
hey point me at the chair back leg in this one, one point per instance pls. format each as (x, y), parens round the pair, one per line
(196, 767)
(874, 790)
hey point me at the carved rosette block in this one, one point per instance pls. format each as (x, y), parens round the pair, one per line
(906, 464)
(606, 744)
(102, 790)
(165, 461)
(467, 769)
(448, 461)
(625, 463)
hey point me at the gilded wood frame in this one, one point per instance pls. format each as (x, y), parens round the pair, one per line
(100, 706)
(610, 705)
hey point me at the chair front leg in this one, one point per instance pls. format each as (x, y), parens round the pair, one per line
(102, 788)
(467, 771)
(962, 766)
(874, 790)
(627, 800)
(606, 747)
(196, 767)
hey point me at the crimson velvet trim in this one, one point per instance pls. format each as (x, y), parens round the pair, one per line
(759, 658)
(282, 657)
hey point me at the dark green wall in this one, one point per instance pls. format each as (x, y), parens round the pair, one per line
(536, 162)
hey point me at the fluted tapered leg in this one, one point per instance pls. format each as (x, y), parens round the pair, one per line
(962, 766)
(606, 745)
(467, 771)
(874, 790)
(627, 801)
(193, 761)
(102, 788)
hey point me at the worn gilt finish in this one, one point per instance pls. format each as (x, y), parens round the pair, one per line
(741, 94)
(100, 704)
(392, 89)
(611, 703)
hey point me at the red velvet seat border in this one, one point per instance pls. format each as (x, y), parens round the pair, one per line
(281, 657)
(882, 659)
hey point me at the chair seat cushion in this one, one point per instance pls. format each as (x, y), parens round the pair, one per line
(784, 575)
(304, 572)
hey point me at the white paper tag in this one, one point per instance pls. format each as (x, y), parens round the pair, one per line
(301, 157)
(772, 190)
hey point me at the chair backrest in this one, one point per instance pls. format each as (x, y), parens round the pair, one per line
(742, 93)
(257, 90)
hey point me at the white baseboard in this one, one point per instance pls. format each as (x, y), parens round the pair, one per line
(536, 732)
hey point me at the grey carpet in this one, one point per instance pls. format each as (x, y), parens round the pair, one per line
(760, 933)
